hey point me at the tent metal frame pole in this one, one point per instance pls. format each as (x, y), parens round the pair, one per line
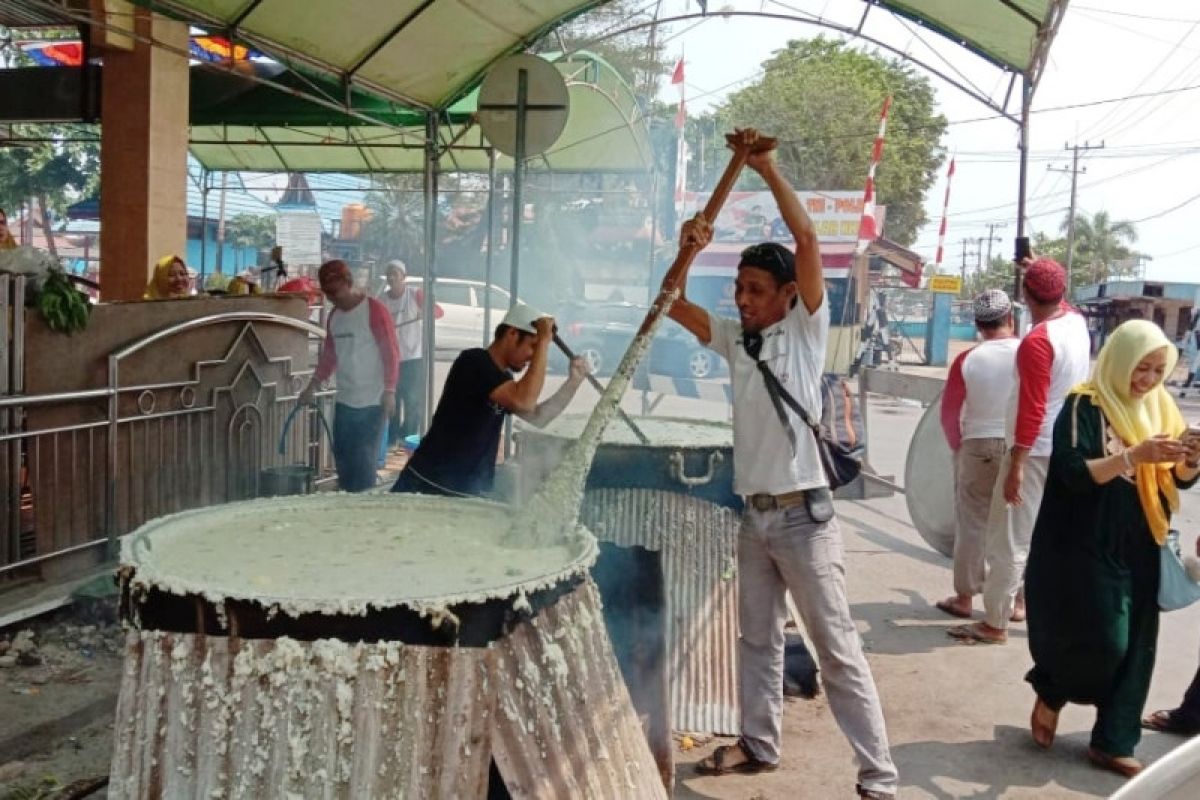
(491, 248)
(1023, 179)
(203, 225)
(431, 190)
(518, 214)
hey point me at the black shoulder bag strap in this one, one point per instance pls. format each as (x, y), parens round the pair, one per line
(778, 394)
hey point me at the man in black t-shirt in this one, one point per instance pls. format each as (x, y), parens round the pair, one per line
(457, 456)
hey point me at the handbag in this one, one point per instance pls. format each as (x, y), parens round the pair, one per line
(1176, 589)
(842, 464)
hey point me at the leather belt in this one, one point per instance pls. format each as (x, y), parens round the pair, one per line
(775, 502)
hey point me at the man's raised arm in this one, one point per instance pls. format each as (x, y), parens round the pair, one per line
(809, 275)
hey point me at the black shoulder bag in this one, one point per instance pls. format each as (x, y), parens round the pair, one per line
(841, 464)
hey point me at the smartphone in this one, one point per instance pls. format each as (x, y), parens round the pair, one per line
(1023, 249)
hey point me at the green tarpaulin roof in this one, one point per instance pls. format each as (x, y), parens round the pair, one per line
(429, 53)
(240, 125)
(1015, 34)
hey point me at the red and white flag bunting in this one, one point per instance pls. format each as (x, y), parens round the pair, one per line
(867, 229)
(681, 154)
(942, 230)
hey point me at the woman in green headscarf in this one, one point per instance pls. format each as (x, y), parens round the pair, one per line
(1121, 452)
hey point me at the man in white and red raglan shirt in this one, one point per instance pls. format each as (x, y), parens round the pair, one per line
(974, 408)
(361, 348)
(1053, 358)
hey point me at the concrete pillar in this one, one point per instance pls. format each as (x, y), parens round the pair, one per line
(937, 331)
(143, 155)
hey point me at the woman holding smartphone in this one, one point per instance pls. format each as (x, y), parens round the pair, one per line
(1120, 456)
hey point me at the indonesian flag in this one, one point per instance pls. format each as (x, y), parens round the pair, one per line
(867, 229)
(677, 75)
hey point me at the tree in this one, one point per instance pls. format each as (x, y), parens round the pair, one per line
(395, 226)
(821, 98)
(251, 230)
(1102, 248)
(49, 171)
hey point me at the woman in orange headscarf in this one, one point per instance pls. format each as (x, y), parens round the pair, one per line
(1121, 453)
(170, 280)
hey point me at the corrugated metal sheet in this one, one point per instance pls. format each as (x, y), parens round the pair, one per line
(213, 717)
(698, 542)
(564, 726)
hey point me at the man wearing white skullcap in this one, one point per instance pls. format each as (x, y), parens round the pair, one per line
(973, 414)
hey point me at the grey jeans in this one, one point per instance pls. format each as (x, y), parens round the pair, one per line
(781, 551)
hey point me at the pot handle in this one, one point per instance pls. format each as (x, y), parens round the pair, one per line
(678, 471)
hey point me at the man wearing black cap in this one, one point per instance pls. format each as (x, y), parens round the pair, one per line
(790, 540)
(974, 407)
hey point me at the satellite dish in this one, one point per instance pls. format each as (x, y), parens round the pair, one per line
(546, 104)
(929, 482)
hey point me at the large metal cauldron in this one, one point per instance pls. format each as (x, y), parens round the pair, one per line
(674, 500)
(353, 646)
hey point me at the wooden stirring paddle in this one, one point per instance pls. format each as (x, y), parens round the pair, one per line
(553, 510)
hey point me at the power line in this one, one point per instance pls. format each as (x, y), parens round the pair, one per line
(1095, 10)
(1170, 210)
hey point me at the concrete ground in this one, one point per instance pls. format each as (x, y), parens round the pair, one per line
(958, 715)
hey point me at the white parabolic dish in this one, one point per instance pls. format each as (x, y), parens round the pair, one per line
(347, 554)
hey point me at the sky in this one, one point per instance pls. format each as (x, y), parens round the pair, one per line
(1148, 171)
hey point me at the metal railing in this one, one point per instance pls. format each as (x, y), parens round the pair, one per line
(79, 469)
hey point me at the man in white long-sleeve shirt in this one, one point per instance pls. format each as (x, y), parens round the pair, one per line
(974, 407)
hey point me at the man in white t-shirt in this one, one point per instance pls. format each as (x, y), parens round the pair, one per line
(406, 304)
(974, 409)
(1052, 359)
(790, 540)
(361, 350)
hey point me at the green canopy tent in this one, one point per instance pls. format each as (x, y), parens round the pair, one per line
(241, 124)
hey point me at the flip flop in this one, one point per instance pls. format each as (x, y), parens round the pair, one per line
(1128, 766)
(951, 609)
(974, 633)
(1169, 722)
(715, 764)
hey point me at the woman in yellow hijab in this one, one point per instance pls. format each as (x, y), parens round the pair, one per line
(1121, 453)
(170, 280)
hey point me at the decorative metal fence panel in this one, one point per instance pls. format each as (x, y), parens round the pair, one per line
(80, 468)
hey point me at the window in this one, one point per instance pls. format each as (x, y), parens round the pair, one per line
(500, 298)
(457, 294)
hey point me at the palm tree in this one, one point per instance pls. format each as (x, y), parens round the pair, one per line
(1102, 247)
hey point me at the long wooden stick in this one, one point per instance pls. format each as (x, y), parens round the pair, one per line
(551, 514)
(743, 144)
(599, 387)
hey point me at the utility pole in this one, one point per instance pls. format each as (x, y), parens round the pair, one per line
(965, 242)
(1075, 171)
(992, 237)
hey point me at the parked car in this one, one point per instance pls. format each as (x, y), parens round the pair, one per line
(600, 333)
(461, 325)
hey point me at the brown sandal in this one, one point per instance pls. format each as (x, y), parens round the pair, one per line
(1127, 766)
(1044, 724)
(715, 764)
